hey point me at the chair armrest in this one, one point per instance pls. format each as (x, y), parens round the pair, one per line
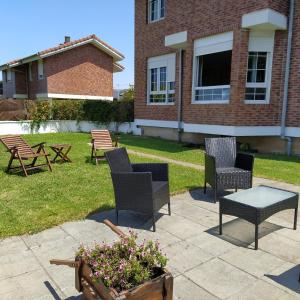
(245, 161)
(159, 171)
(133, 191)
(38, 145)
(210, 168)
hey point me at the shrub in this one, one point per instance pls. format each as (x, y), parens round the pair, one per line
(125, 264)
(101, 112)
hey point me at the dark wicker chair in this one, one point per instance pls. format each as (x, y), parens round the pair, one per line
(143, 188)
(224, 167)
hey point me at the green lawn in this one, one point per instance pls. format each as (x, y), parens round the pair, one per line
(272, 166)
(72, 191)
(75, 190)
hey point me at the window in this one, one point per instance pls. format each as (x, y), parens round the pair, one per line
(259, 67)
(212, 69)
(40, 70)
(256, 88)
(4, 77)
(156, 10)
(161, 79)
(8, 75)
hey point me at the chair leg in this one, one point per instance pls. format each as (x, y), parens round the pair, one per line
(48, 163)
(153, 221)
(23, 166)
(10, 163)
(169, 208)
(215, 194)
(204, 188)
(117, 217)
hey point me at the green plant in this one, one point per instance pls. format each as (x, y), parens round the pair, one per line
(38, 112)
(67, 110)
(125, 264)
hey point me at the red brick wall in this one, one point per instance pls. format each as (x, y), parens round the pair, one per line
(293, 116)
(81, 71)
(36, 86)
(202, 18)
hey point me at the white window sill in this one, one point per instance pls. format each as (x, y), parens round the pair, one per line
(211, 102)
(154, 21)
(256, 102)
(161, 103)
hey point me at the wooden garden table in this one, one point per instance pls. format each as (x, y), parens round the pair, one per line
(61, 151)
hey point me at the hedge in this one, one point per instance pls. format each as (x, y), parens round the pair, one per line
(101, 112)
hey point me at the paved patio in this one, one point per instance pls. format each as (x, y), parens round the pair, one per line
(205, 265)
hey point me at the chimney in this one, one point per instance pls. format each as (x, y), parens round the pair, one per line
(67, 39)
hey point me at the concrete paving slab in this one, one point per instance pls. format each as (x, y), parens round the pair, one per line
(16, 264)
(259, 290)
(12, 245)
(185, 289)
(184, 256)
(258, 263)
(286, 278)
(211, 244)
(220, 278)
(281, 246)
(180, 226)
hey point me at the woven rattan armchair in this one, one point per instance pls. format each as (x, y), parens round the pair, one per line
(224, 167)
(142, 188)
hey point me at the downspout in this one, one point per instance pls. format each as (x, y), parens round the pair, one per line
(179, 109)
(286, 78)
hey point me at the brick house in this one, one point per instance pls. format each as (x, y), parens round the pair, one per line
(219, 68)
(79, 69)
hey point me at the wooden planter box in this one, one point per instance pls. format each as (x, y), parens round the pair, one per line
(159, 288)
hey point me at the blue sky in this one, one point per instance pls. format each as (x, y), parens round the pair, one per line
(32, 25)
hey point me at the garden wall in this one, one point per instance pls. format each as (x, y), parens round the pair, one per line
(25, 127)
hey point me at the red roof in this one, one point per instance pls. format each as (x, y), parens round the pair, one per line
(91, 37)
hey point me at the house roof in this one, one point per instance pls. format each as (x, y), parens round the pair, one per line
(91, 39)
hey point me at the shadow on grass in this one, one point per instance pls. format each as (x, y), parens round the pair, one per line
(289, 279)
(153, 143)
(90, 161)
(20, 173)
(241, 233)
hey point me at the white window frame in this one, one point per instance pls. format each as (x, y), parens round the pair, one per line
(262, 41)
(8, 75)
(40, 69)
(159, 7)
(169, 62)
(209, 45)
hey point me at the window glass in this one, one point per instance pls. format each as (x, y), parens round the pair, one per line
(163, 78)
(156, 10)
(256, 88)
(154, 79)
(214, 69)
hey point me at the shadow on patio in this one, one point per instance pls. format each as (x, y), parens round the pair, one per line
(289, 279)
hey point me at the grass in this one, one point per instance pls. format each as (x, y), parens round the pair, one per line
(75, 190)
(71, 192)
(271, 166)
(163, 148)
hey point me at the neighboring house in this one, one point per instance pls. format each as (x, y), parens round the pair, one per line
(118, 93)
(79, 69)
(218, 68)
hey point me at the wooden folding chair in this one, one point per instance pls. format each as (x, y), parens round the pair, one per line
(21, 151)
(101, 140)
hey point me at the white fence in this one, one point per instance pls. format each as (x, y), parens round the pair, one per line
(24, 127)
